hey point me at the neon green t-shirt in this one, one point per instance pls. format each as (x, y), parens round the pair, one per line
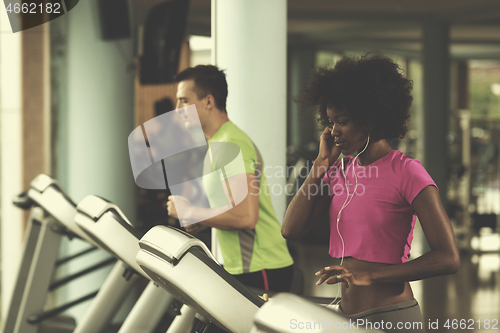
(244, 251)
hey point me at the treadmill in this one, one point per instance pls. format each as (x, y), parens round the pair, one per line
(183, 265)
(51, 217)
(288, 313)
(107, 226)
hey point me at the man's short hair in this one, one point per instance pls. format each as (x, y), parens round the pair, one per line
(208, 80)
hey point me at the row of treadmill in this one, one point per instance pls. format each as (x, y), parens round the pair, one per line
(180, 273)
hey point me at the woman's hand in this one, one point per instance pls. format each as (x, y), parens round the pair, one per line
(336, 273)
(328, 150)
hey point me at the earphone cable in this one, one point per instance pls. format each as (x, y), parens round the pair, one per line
(346, 202)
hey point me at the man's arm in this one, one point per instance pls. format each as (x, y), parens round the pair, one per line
(242, 213)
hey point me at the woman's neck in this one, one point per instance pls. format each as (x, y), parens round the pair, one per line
(374, 151)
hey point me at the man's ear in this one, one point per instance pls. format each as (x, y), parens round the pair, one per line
(210, 102)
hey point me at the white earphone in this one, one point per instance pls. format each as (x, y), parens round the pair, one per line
(347, 201)
(354, 160)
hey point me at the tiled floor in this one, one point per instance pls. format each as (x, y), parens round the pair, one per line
(472, 296)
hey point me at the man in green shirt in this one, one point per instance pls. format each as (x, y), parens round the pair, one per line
(247, 229)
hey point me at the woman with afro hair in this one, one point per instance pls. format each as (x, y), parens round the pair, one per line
(374, 193)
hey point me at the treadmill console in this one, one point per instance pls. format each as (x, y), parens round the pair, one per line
(179, 242)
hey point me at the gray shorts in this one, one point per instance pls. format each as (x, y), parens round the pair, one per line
(400, 317)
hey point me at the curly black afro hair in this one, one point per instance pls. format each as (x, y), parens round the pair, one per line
(371, 89)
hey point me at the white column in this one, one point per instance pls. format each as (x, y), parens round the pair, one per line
(11, 150)
(250, 45)
(99, 119)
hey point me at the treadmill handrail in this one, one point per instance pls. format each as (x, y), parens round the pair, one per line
(312, 299)
(23, 201)
(174, 250)
(41, 182)
(95, 207)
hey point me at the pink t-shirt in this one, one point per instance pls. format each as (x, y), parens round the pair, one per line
(377, 224)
